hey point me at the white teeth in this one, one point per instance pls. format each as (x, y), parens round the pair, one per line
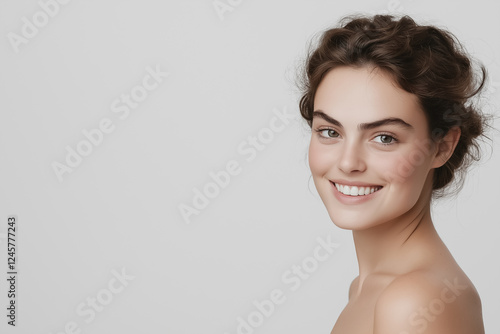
(347, 190)
(356, 191)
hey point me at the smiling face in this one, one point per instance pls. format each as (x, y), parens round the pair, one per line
(370, 154)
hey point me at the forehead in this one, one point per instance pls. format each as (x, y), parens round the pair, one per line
(365, 94)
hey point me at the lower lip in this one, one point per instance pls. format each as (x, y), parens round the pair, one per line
(346, 199)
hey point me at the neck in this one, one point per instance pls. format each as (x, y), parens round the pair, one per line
(399, 246)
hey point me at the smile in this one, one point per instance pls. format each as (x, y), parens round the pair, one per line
(356, 190)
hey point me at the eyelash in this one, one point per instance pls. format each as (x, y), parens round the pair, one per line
(319, 131)
(394, 139)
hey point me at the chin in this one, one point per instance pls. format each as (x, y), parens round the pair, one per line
(354, 221)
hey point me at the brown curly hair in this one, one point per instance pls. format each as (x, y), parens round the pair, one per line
(424, 60)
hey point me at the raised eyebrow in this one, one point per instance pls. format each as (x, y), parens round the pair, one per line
(365, 126)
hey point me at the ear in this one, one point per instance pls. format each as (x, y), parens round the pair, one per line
(446, 147)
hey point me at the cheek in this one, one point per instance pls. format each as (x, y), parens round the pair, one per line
(406, 170)
(320, 160)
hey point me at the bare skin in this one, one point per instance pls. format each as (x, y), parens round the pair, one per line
(408, 281)
(421, 283)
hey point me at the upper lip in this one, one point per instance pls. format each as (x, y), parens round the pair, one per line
(354, 183)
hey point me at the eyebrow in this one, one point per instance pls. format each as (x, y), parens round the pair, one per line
(365, 126)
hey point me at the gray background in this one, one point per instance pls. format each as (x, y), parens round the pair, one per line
(119, 209)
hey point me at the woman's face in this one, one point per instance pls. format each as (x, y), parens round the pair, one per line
(370, 154)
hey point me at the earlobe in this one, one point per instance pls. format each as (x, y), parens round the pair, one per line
(446, 147)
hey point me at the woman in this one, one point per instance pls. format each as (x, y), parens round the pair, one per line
(389, 105)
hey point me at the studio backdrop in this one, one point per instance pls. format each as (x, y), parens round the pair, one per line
(154, 173)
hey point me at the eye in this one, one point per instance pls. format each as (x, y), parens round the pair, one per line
(327, 133)
(385, 139)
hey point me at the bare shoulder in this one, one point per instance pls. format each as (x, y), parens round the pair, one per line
(431, 303)
(353, 286)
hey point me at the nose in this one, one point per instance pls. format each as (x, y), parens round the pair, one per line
(352, 159)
